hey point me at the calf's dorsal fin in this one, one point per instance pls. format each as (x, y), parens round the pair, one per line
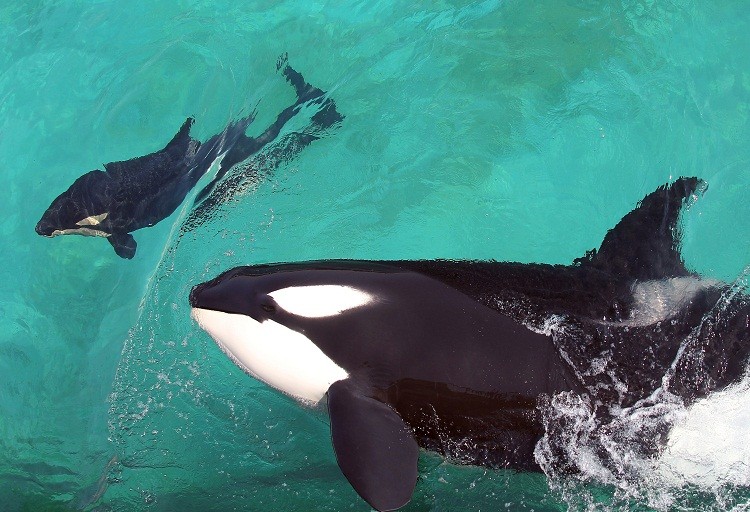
(645, 244)
(179, 146)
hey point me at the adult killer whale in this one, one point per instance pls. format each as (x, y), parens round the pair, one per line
(142, 191)
(462, 357)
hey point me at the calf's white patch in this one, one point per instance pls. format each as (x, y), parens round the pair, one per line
(80, 231)
(93, 220)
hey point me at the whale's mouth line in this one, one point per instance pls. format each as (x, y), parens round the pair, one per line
(79, 231)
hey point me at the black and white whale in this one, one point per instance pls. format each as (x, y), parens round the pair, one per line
(142, 191)
(461, 357)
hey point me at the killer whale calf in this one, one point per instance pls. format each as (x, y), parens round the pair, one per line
(461, 357)
(142, 191)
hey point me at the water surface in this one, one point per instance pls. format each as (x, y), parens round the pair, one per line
(495, 129)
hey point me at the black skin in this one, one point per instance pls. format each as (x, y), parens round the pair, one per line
(141, 192)
(452, 355)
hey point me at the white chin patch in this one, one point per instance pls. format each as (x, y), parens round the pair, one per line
(320, 300)
(272, 353)
(80, 231)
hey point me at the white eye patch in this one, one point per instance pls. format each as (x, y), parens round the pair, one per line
(93, 220)
(319, 301)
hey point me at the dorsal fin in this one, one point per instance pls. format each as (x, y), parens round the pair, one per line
(645, 244)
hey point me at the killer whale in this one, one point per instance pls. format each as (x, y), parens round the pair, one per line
(140, 192)
(461, 357)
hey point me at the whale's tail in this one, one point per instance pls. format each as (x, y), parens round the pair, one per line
(241, 146)
(327, 115)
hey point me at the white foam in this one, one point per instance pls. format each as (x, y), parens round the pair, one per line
(708, 446)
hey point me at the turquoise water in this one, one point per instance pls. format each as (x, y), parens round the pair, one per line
(497, 129)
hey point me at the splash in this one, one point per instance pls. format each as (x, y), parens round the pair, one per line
(659, 452)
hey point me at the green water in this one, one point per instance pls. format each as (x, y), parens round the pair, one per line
(511, 130)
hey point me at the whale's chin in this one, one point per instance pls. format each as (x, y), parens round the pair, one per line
(272, 353)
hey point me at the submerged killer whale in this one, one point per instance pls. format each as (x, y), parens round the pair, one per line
(460, 357)
(142, 191)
